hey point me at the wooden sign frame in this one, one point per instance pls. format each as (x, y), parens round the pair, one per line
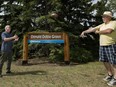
(50, 37)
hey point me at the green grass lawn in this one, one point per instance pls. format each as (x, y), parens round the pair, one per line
(55, 75)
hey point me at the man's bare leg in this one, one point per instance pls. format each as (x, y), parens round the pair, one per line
(114, 68)
(109, 68)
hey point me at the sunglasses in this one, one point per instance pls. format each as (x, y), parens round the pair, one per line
(105, 16)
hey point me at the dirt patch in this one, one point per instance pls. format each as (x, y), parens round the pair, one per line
(43, 61)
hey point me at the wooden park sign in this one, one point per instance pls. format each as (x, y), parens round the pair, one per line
(46, 38)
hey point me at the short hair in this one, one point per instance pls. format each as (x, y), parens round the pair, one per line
(7, 26)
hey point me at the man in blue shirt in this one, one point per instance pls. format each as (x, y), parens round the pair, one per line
(6, 48)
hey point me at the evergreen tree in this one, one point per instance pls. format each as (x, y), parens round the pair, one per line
(73, 16)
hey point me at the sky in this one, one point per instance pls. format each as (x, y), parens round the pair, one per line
(95, 1)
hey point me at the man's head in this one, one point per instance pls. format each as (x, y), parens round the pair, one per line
(107, 16)
(7, 28)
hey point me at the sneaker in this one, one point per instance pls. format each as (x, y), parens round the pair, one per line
(112, 82)
(8, 72)
(107, 78)
(1, 76)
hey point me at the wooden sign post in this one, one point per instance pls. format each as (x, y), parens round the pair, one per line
(45, 38)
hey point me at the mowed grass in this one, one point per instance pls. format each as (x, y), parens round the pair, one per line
(55, 75)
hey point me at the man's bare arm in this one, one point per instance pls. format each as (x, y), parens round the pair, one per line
(11, 38)
(106, 31)
(87, 31)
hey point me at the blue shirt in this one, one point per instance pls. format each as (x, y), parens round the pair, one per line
(6, 45)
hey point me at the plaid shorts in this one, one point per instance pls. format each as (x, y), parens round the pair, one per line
(108, 54)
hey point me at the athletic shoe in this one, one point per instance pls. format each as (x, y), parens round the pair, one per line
(1, 76)
(108, 78)
(112, 82)
(8, 72)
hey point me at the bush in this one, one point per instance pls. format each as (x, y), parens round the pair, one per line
(56, 53)
(81, 55)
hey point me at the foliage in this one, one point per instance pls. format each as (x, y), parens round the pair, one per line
(81, 55)
(56, 53)
(112, 6)
(74, 16)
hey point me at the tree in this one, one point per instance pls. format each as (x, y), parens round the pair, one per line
(74, 16)
(112, 5)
